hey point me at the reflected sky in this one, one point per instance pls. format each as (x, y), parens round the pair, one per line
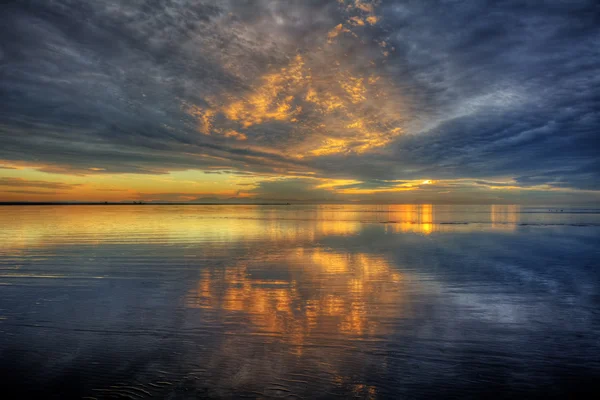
(273, 223)
(299, 301)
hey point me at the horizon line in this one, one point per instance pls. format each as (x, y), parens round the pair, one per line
(264, 203)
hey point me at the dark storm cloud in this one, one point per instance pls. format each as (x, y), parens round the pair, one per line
(488, 89)
(103, 84)
(531, 146)
(504, 91)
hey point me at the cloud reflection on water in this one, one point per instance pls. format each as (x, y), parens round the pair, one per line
(347, 300)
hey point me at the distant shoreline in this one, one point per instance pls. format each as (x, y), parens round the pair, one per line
(31, 203)
(50, 203)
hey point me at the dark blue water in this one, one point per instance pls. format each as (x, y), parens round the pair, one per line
(300, 301)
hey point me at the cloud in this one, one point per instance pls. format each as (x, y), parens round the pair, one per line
(297, 189)
(33, 192)
(379, 92)
(19, 182)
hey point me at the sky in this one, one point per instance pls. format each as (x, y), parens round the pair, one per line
(372, 101)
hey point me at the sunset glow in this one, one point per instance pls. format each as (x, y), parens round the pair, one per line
(361, 104)
(300, 199)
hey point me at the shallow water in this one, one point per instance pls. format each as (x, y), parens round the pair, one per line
(299, 301)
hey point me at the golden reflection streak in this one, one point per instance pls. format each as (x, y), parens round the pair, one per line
(25, 227)
(344, 289)
(505, 217)
(411, 218)
(93, 224)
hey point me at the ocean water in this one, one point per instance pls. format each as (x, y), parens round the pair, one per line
(315, 301)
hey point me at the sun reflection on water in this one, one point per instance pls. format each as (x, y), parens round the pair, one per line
(505, 217)
(245, 298)
(52, 226)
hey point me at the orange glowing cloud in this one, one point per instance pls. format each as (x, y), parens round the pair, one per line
(371, 19)
(357, 21)
(327, 106)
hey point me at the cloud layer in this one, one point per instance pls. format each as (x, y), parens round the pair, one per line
(347, 99)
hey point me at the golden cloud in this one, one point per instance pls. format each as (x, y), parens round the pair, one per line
(327, 106)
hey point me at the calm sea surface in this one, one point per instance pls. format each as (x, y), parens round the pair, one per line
(299, 301)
